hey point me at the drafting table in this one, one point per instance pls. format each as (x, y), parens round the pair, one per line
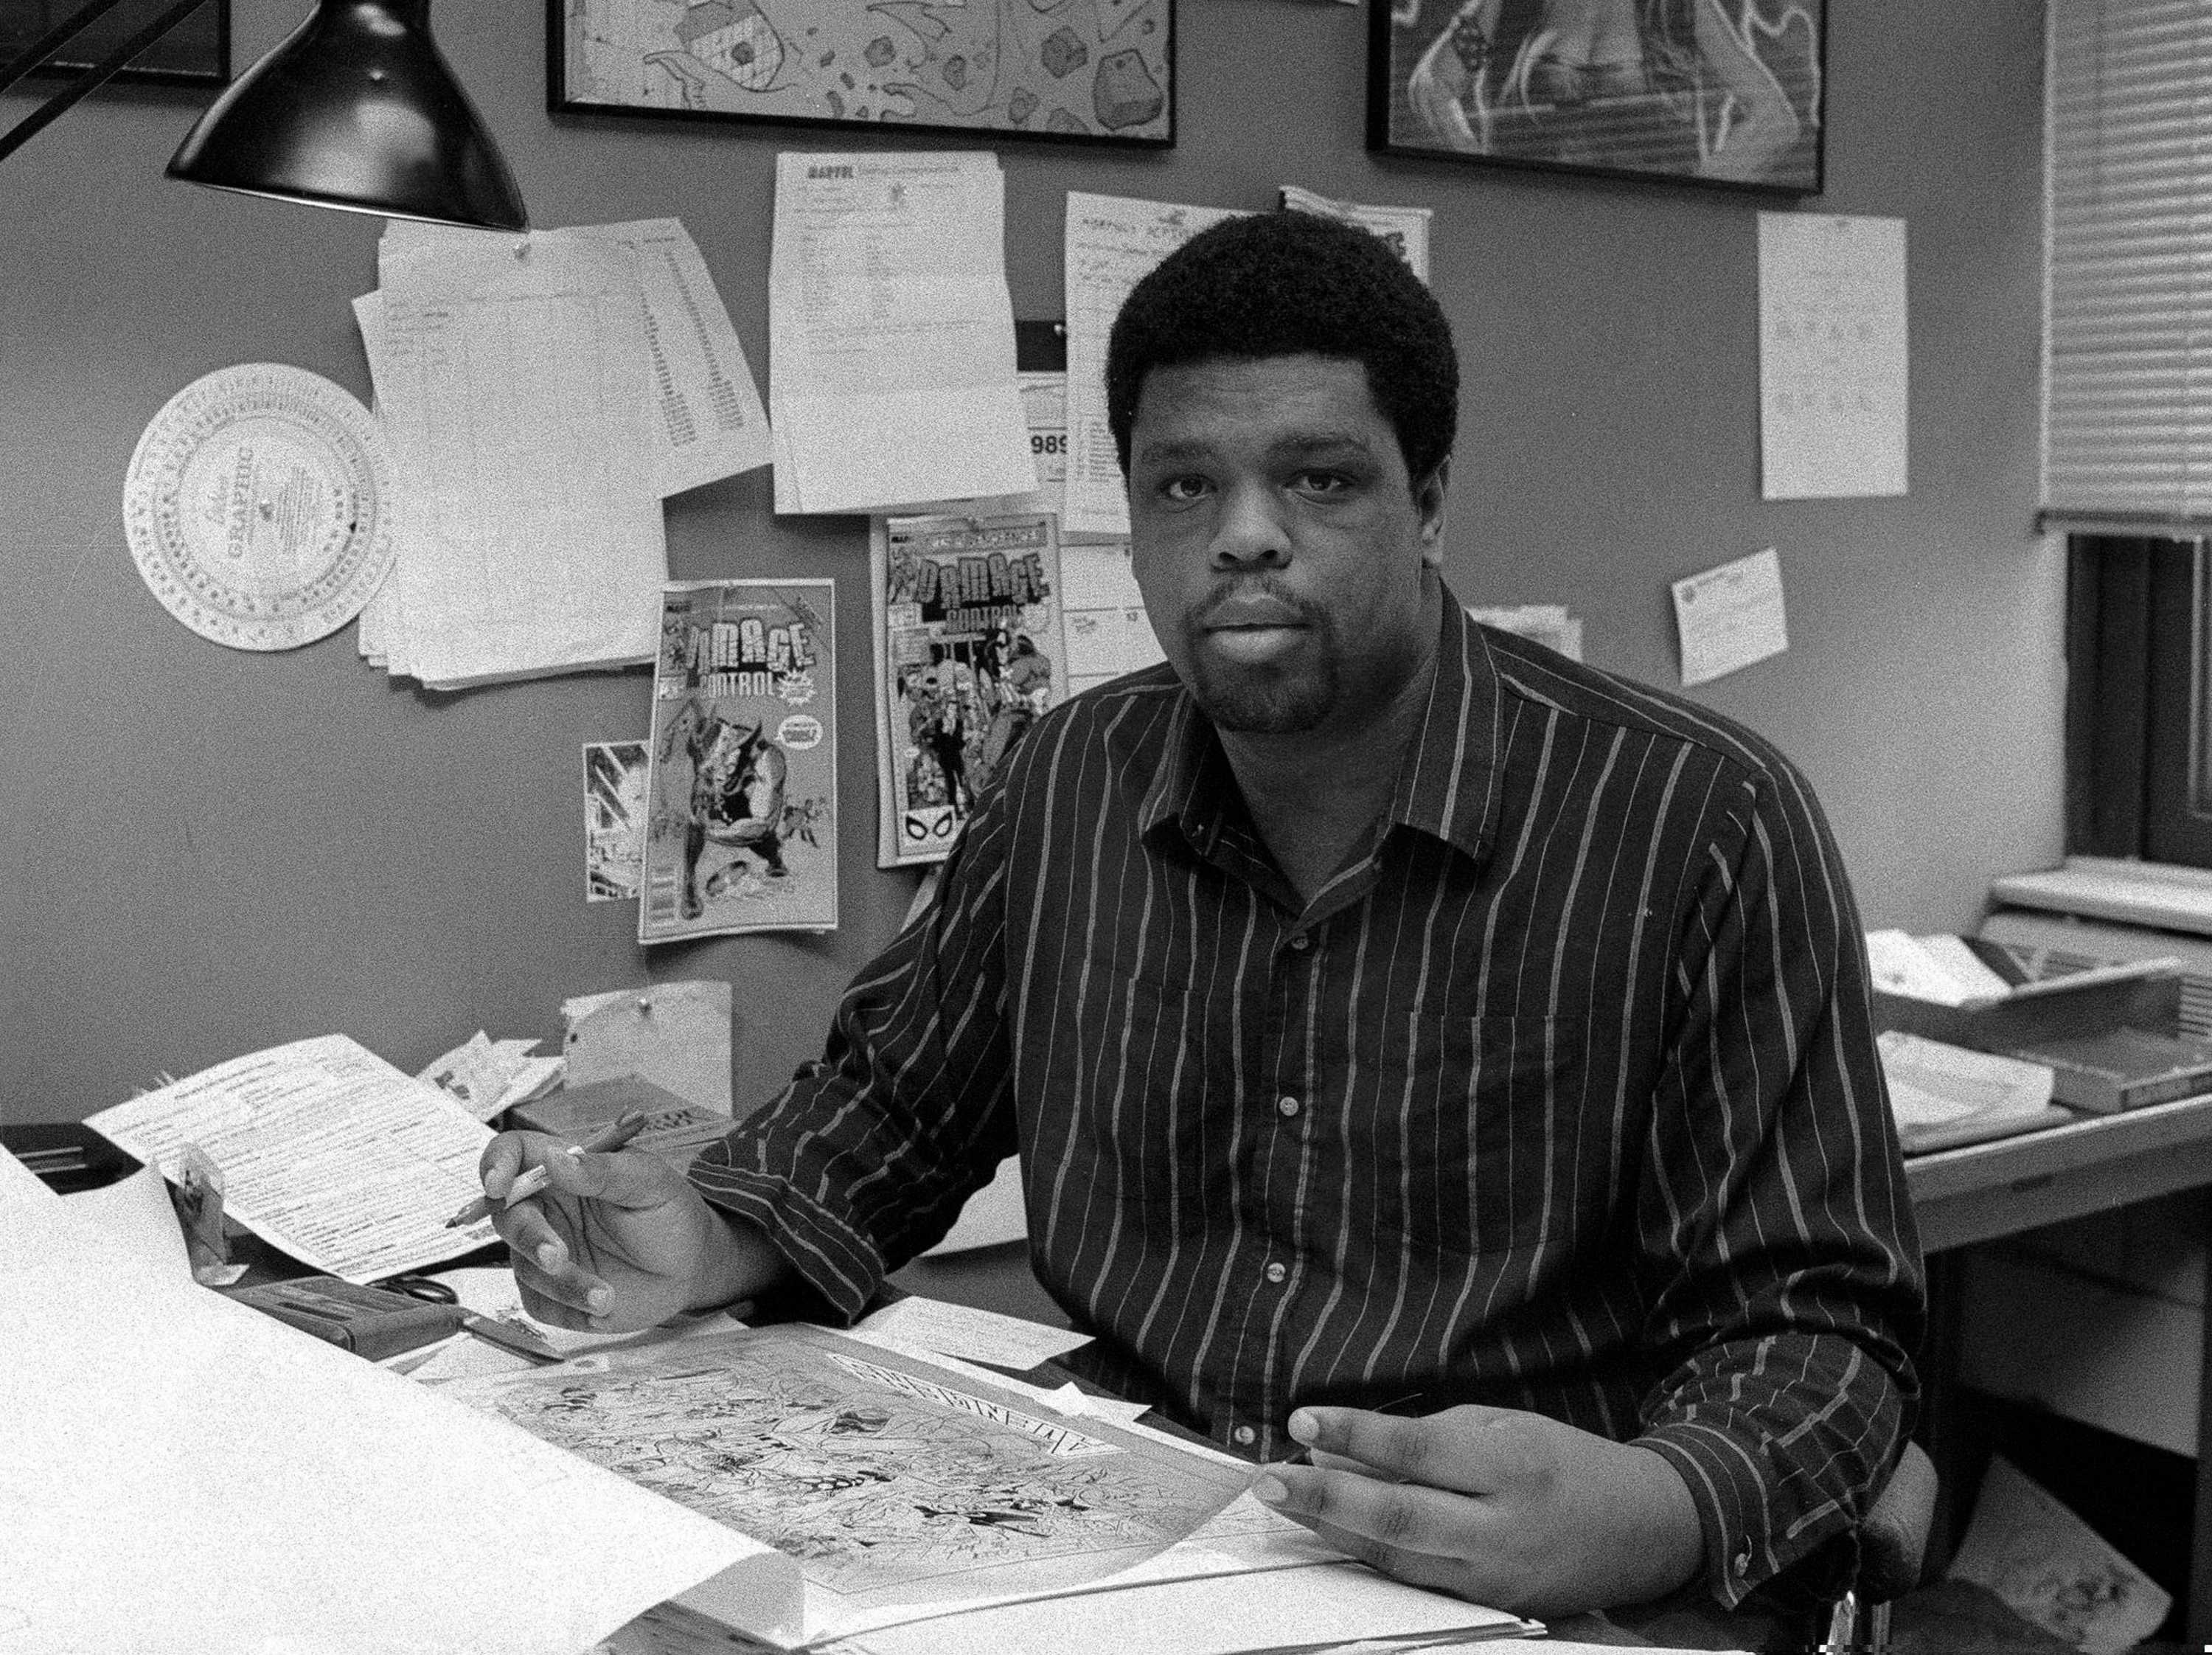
(1979, 1192)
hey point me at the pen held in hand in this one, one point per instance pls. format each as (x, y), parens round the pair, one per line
(613, 1135)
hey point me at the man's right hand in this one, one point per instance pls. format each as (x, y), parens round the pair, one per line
(618, 1242)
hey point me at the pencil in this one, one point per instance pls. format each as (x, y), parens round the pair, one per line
(613, 1135)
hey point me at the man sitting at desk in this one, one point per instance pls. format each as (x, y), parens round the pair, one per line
(1389, 1014)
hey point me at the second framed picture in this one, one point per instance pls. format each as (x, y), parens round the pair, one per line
(1101, 71)
(195, 52)
(1719, 92)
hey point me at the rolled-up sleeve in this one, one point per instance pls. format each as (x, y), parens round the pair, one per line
(1781, 1266)
(867, 1157)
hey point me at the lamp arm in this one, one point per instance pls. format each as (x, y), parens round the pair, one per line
(56, 38)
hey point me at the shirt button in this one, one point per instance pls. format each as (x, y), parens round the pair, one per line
(1301, 942)
(1244, 1436)
(1289, 1106)
(1276, 1273)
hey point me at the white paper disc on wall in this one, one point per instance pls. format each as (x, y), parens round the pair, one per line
(258, 506)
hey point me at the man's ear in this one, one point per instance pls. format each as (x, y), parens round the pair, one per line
(1429, 502)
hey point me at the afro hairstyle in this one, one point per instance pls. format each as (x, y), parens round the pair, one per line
(1290, 284)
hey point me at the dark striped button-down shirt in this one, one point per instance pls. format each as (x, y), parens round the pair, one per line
(1562, 1096)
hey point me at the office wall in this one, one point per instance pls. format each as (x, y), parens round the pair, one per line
(205, 852)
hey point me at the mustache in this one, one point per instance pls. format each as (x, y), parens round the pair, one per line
(1245, 588)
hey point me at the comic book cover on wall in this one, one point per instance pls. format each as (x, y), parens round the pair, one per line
(969, 653)
(742, 829)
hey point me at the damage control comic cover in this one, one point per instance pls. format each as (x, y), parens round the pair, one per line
(969, 653)
(742, 833)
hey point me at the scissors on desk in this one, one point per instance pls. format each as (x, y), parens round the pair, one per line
(428, 1289)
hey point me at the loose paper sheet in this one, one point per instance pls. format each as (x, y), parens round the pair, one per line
(181, 1474)
(2054, 1569)
(137, 1211)
(1730, 617)
(708, 421)
(326, 1150)
(1549, 625)
(979, 1335)
(1112, 244)
(1104, 617)
(514, 381)
(892, 370)
(1833, 359)
(1932, 1083)
(1405, 229)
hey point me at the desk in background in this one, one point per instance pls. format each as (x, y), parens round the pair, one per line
(1981, 1192)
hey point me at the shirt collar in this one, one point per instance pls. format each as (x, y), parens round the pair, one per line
(1447, 786)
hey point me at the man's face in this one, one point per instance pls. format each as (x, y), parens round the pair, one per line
(1282, 550)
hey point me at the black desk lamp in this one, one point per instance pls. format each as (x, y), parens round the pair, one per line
(357, 110)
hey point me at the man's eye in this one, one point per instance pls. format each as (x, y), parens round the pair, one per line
(1324, 484)
(1180, 490)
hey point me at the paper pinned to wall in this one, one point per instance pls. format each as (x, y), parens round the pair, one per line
(1112, 244)
(1730, 617)
(1549, 625)
(1833, 362)
(514, 381)
(891, 374)
(1405, 229)
(676, 1035)
(181, 1472)
(708, 421)
(1102, 614)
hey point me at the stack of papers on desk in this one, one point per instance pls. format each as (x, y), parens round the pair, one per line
(1943, 1095)
(180, 1474)
(542, 392)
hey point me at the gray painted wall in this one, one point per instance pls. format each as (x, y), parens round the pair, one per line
(203, 852)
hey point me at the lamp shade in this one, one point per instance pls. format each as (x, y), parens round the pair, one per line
(357, 109)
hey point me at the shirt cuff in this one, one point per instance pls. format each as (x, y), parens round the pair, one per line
(840, 1264)
(1754, 1530)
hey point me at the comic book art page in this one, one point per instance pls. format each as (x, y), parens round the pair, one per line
(969, 653)
(742, 824)
(615, 775)
(888, 1479)
(1097, 70)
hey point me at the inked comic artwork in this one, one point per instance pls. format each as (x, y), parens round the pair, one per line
(1097, 69)
(886, 1480)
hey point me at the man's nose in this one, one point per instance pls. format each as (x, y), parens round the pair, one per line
(1251, 531)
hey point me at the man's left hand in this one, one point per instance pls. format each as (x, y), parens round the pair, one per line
(1510, 1509)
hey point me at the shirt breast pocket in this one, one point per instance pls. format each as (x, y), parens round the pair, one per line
(1141, 1098)
(1484, 1135)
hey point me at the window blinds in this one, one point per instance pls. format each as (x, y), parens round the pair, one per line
(2128, 328)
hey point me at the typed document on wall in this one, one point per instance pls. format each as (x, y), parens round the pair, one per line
(1832, 364)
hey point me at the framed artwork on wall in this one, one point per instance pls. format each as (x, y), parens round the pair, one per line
(1101, 71)
(196, 52)
(1715, 92)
